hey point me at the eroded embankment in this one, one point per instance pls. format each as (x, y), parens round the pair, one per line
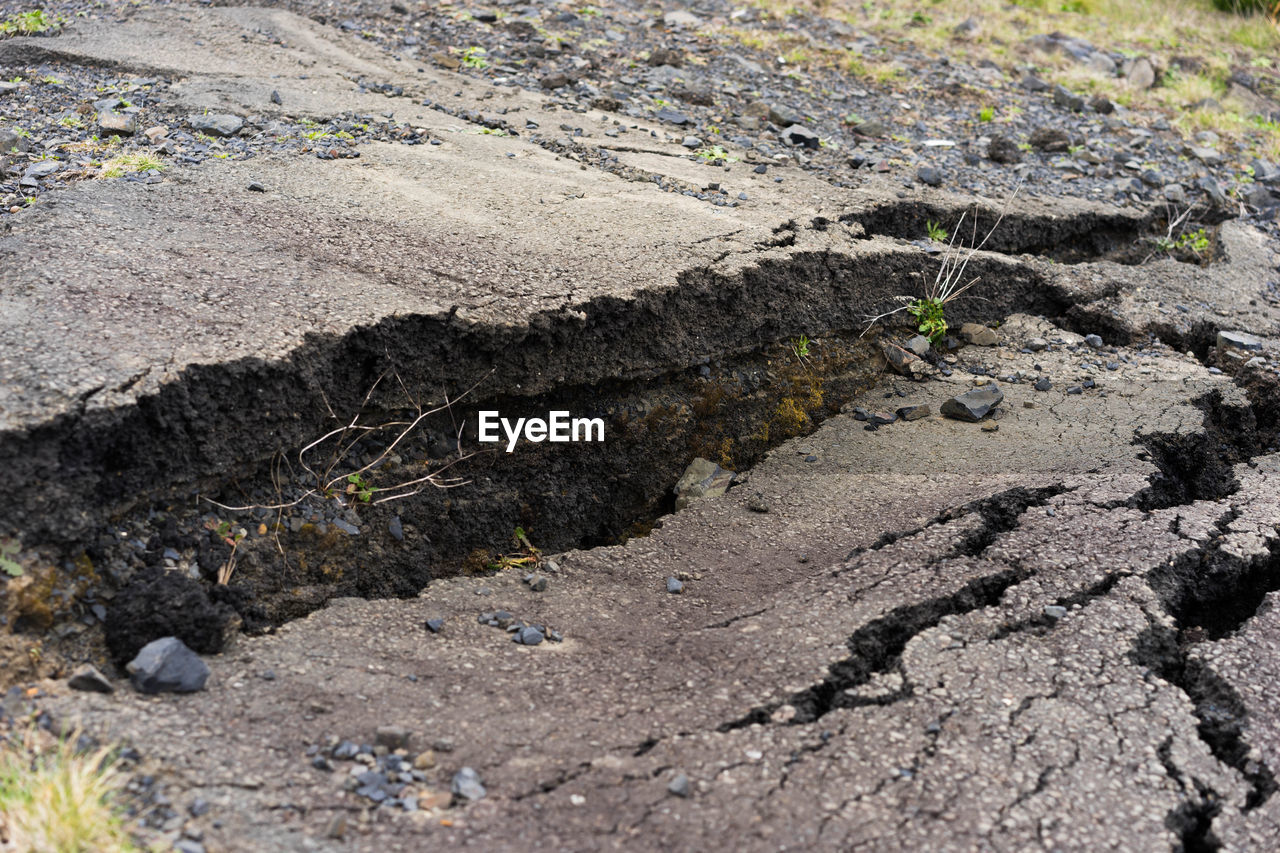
(713, 367)
(217, 421)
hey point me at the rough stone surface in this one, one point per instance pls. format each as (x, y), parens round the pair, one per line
(89, 678)
(217, 124)
(167, 666)
(979, 335)
(1239, 340)
(973, 405)
(702, 479)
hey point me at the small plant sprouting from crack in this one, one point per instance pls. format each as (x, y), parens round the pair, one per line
(800, 347)
(359, 488)
(527, 556)
(232, 536)
(9, 549)
(1195, 242)
(936, 232)
(712, 153)
(474, 57)
(1178, 238)
(987, 114)
(948, 284)
(30, 23)
(930, 316)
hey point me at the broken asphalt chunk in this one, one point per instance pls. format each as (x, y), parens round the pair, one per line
(973, 405)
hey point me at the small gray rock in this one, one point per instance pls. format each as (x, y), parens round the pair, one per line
(11, 141)
(1102, 63)
(89, 679)
(1064, 97)
(674, 586)
(1213, 190)
(679, 785)
(673, 116)
(217, 124)
(1208, 156)
(784, 116)
(917, 346)
(702, 479)
(467, 785)
(1141, 74)
(1055, 611)
(1093, 341)
(979, 335)
(346, 527)
(392, 737)
(529, 636)
(117, 124)
(915, 413)
(800, 135)
(167, 666)
(41, 169)
(930, 175)
(973, 405)
(1037, 344)
(1238, 340)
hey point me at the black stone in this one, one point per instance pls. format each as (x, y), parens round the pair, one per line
(167, 666)
(973, 405)
(929, 175)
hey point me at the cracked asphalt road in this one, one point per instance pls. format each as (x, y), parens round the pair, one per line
(819, 688)
(1057, 635)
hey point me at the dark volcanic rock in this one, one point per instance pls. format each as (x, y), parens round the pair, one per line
(973, 405)
(1002, 149)
(159, 603)
(217, 124)
(930, 175)
(1238, 340)
(1050, 139)
(800, 135)
(467, 785)
(119, 124)
(167, 666)
(89, 679)
(1064, 97)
